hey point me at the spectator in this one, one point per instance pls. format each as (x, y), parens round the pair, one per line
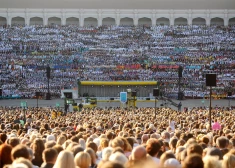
(64, 158)
(110, 164)
(21, 162)
(20, 151)
(76, 149)
(82, 160)
(117, 142)
(211, 162)
(165, 156)
(5, 155)
(172, 145)
(49, 158)
(13, 141)
(232, 140)
(228, 161)
(31, 157)
(144, 139)
(216, 125)
(92, 156)
(38, 148)
(178, 152)
(3, 137)
(58, 148)
(222, 144)
(138, 153)
(172, 163)
(194, 149)
(193, 161)
(152, 148)
(118, 157)
(61, 140)
(127, 147)
(106, 153)
(166, 136)
(215, 152)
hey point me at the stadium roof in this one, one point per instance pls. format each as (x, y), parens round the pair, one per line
(120, 4)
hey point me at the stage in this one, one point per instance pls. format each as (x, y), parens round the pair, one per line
(115, 103)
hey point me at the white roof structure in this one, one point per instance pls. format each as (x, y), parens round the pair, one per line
(120, 4)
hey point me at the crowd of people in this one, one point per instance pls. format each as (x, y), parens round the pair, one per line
(114, 53)
(117, 138)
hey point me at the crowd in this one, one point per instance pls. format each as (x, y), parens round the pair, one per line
(112, 53)
(117, 138)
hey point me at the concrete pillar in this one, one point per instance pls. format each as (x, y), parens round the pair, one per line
(117, 21)
(45, 18)
(154, 21)
(172, 21)
(153, 17)
(99, 17)
(45, 21)
(81, 21)
(9, 18)
(81, 17)
(226, 21)
(135, 17)
(208, 21)
(208, 17)
(63, 17)
(27, 20)
(117, 17)
(99, 21)
(135, 21)
(172, 17)
(190, 21)
(63, 21)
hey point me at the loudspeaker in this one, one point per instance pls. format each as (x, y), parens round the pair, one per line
(180, 70)
(48, 72)
(68, 95)
(37, 94)
(210, 79)
(80, 105)
(0, 91)
(147, 98)
(66, 106)
(229, 93)
(48, 96)
(180, 96)
(133, 94)
(155, 92)
(111, 98)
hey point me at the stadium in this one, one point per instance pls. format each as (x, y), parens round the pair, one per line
(132, 13)
(117, 84)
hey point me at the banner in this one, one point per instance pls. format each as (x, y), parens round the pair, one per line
(129, 66)
(123, 97)
(165, 66)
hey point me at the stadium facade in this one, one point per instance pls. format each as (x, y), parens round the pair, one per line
(110, 12)
(98, 17)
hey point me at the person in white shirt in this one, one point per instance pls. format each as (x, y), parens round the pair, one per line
(172, 124)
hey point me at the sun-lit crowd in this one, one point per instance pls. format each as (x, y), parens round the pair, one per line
(117, 138)
(114, 53)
